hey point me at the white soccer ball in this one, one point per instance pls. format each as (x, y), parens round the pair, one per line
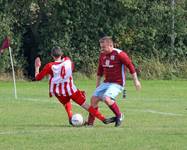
(77, 120)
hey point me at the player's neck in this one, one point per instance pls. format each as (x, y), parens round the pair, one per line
(58, 59)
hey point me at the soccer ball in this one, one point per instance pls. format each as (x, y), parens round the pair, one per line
(77, 120)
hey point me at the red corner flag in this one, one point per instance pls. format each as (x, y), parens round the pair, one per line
(5, 44)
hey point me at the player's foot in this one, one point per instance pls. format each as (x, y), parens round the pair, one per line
(109, 120)
(70, 123)
(119, 120)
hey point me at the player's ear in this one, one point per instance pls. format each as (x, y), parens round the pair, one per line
(62, 55)
(53, 57)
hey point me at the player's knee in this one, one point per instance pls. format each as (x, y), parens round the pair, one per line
(108, 100)
(94, 101)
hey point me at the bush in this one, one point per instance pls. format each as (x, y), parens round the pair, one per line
(142, 28)
(155, 69)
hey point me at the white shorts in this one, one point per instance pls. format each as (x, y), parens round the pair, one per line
(108, 89)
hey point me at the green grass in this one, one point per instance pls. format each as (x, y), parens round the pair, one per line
(155, 119)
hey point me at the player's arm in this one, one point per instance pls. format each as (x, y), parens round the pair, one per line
(124, 58)
(40, 75)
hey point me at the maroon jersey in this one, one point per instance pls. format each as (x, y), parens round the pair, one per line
(113, 66)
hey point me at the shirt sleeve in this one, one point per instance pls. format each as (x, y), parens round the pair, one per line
(124, 58)
(45, 71)
(100, 68)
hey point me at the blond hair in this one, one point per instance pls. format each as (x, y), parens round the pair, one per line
(106, 38)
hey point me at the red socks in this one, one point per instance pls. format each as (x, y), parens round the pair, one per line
(91, 118)
(96, 113)
(68, 108)
(114, 107)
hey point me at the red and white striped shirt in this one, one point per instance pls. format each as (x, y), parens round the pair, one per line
(60, 77)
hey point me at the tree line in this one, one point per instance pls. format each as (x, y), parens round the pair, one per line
(153, 32)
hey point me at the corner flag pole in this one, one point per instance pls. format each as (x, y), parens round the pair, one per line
(13, 72)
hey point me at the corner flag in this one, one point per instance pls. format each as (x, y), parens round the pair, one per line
(5, 45)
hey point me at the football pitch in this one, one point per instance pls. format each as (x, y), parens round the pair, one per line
(155, 119)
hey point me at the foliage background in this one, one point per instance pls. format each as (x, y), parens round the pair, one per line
(142, 28)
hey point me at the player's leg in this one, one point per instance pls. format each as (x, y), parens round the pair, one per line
(67, 105)
(94, 103)
(68, 108)
(109, 98)
(80, 99)
(97, 95)
(115, 109)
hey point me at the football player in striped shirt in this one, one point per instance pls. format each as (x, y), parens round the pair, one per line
(61, 84)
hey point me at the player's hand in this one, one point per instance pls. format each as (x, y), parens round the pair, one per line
(136, 82)
(37, 65)
(137, 85)
(37, 62)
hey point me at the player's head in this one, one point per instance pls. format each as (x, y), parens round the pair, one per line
(56, 52)
(106, 44)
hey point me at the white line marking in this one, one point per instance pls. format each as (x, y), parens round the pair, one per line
(156, 112)
(38, 100)
(27, 131)
(163, 113)
(137, 110)
(45, 101)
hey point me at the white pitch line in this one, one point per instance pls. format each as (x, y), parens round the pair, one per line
(137, 110)
(157, 112)
(45, 101)
(26, 132)
(37, 100)
(163, 113)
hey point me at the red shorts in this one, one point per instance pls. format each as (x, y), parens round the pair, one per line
(63, 99)
(78, 97)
